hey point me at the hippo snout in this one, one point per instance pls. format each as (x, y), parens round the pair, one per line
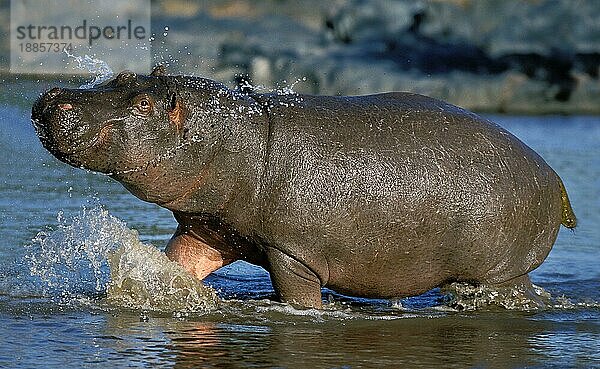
(44, 102)
(41, 106)
(57, 121)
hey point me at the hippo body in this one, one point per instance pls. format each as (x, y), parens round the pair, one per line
(383, 196)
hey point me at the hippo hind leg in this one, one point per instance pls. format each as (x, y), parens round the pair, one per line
(522, 288)
(294, 282)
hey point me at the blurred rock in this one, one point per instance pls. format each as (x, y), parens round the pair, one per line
(516, 26)
(508, 56)
(513, 56)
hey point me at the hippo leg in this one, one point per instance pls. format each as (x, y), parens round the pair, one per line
(523, 283)
(195, 256)
(293, 281)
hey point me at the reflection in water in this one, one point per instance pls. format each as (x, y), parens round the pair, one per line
(452, 341)
(440, 342)
(209, 344)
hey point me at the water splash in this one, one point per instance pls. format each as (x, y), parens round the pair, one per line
(99, 68)
(289, 89)
(95, 255)
(284, 88)
(71, 260)
(142, 277)
(466, 297)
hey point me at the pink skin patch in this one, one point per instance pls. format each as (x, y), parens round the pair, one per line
(65, 106)
(104, 133)
(195, 256)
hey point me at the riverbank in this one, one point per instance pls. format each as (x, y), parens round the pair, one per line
(516, 57)
(532, 57)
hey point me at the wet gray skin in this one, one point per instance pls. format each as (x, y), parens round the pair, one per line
(382, 196)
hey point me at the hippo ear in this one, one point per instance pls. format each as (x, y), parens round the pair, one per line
(177, 111)
(159, 70)
(125, 77)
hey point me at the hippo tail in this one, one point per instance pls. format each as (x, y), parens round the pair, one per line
(568, 218)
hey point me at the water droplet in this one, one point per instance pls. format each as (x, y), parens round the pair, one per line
(99, 68)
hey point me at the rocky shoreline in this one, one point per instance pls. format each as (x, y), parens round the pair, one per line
(531, 57)
(510, 56)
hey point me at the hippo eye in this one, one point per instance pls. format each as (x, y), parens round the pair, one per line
(142, 105)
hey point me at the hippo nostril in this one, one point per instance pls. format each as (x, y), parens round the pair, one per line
(65, 106)
(53, 93)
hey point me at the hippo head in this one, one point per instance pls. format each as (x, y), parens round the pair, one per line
(155, 134)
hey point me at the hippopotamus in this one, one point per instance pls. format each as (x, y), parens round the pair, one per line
(378, 196)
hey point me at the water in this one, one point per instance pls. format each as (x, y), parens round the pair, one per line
(83, 282)
(99, 68)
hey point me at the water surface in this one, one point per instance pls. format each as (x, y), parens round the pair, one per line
(60, 306)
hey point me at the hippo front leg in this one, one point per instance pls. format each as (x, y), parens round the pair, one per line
(194, 255)
(293, 281)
